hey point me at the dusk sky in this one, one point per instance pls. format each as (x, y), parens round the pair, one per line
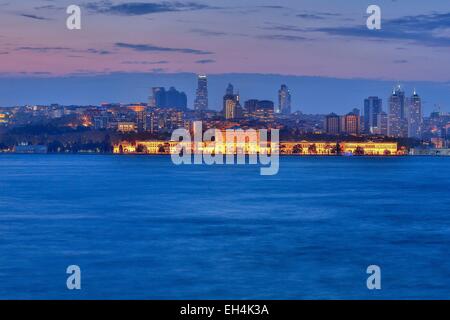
(302, 38)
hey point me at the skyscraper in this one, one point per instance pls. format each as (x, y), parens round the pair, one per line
(230, 89)
(201, 100)
(251, 105)
(397, 120)
(230, 103)
(284, 100)
(265, 111)
(333, 124)
(372, 108)
(415, 116)
(356, 111)
(171, 98)
(351, 123)
(382, 124)
(157, 97)
(229, 107)
(176, 99)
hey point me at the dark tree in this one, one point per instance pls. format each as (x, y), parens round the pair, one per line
(359, 151)
(312, 149)
(297, 149)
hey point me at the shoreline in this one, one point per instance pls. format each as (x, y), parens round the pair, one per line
(280, 155)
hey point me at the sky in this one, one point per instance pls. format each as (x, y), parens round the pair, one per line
(314, 46)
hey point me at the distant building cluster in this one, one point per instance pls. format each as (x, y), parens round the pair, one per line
(348, 124)
(405, 115)
(167, 109)
(168, 99)
(403, 119)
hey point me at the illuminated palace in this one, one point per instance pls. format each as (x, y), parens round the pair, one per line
(286, 148)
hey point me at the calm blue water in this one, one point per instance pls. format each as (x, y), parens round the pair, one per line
(140, 227)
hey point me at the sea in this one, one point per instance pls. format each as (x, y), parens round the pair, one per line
(140, 227)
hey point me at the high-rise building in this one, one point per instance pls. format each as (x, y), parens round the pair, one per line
(356, 111)
(372, 108)
(415, 118)
(266, 105)
(333, 124)
(351, 124)
(230, 103)
(284, 100)
(151, 121)
(201, 100)
(170, 99)
(260, 110)
(265, 110)
(382, 124)
(229, 107)
(176, 99)
(251, 105)
(229, 90)
(397, 120)
(157, 97)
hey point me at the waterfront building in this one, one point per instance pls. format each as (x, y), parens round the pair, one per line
(370, 148)
(243, 144)
(26, 148)
(439, 143)
(331, 148)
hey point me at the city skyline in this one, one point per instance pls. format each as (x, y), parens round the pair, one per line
(167, 110)
(343, 95)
